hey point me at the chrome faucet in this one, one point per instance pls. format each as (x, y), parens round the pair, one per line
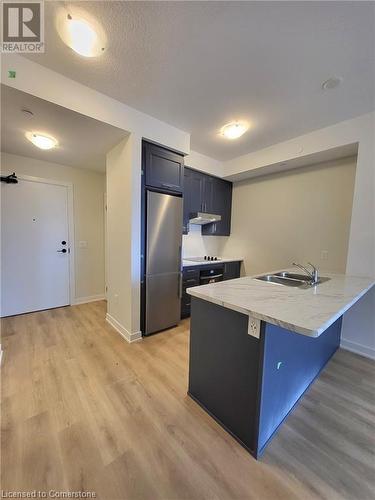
(313, 275)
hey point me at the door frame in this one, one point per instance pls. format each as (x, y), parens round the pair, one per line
(70, 217)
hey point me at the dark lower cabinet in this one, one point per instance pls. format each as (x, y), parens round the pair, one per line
(163, 169)
(223, 368)
(191, 277)
(232, 270)
(250, 385)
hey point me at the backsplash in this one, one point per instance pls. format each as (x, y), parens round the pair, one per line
(196, 245)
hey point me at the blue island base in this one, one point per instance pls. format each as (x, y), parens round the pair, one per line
(246, 384)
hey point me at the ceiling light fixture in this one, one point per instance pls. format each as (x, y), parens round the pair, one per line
(41, 141)
(331, 83)
(85, 38)
(234, 130)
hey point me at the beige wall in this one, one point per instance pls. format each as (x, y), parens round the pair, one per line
(88, 199)
(293, 216)
(123, 230)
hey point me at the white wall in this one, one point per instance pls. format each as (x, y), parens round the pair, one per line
(358, 331)
(294, 216)
(54, 87)
(88, 200)
(123, 295)
(204, 163)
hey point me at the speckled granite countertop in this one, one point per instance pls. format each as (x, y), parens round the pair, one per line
(308, 311)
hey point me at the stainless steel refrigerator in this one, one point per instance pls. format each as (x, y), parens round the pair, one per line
(163, 278)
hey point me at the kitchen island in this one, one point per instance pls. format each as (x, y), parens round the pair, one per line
(255, 347)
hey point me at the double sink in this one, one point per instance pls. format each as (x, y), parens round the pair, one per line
(290, 279)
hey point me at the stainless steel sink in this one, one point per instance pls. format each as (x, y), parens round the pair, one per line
(286, 274)
(289, 279)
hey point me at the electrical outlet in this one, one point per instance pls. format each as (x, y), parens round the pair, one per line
(254, 327)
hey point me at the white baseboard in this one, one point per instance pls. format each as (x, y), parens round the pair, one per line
(129, 337)
(368, 352)
(86, 300)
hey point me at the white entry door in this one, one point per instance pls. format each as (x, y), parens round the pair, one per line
(34, 247)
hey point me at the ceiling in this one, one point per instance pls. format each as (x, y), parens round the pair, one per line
(198, 65)
(83, 141)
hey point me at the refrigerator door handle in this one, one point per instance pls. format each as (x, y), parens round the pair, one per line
(179, 292)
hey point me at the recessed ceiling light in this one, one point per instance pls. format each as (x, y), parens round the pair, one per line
(331, 83)
(83, 37)
(41, 141)
(234, 130)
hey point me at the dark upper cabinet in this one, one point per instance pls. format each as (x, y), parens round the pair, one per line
(221, 204)
(163, 169)
(193, 195)
(205, 193)
(197, 191)
(208, 194)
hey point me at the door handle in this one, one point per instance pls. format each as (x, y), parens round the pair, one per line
(179, 292)
(62, 251)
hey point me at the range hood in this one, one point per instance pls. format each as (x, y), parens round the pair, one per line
(201, 218)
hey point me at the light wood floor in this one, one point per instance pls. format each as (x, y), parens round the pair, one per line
(84, 410)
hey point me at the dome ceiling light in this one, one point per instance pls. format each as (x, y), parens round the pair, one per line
(234, 130)
(85, 38)
(41, 141)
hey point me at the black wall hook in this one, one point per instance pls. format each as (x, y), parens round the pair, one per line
(10, 179)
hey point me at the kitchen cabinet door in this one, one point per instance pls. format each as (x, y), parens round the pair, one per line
(221, 204)
(196, 191)
(193, 194)
(208, 194)
(163, 169)
(231, 270)
(186, 201)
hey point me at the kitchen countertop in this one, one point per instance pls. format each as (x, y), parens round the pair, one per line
(190, 263)
(307, 311)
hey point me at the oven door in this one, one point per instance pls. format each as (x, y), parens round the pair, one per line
(210, 276)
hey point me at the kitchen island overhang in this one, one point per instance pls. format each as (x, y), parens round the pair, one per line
(250, 383)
